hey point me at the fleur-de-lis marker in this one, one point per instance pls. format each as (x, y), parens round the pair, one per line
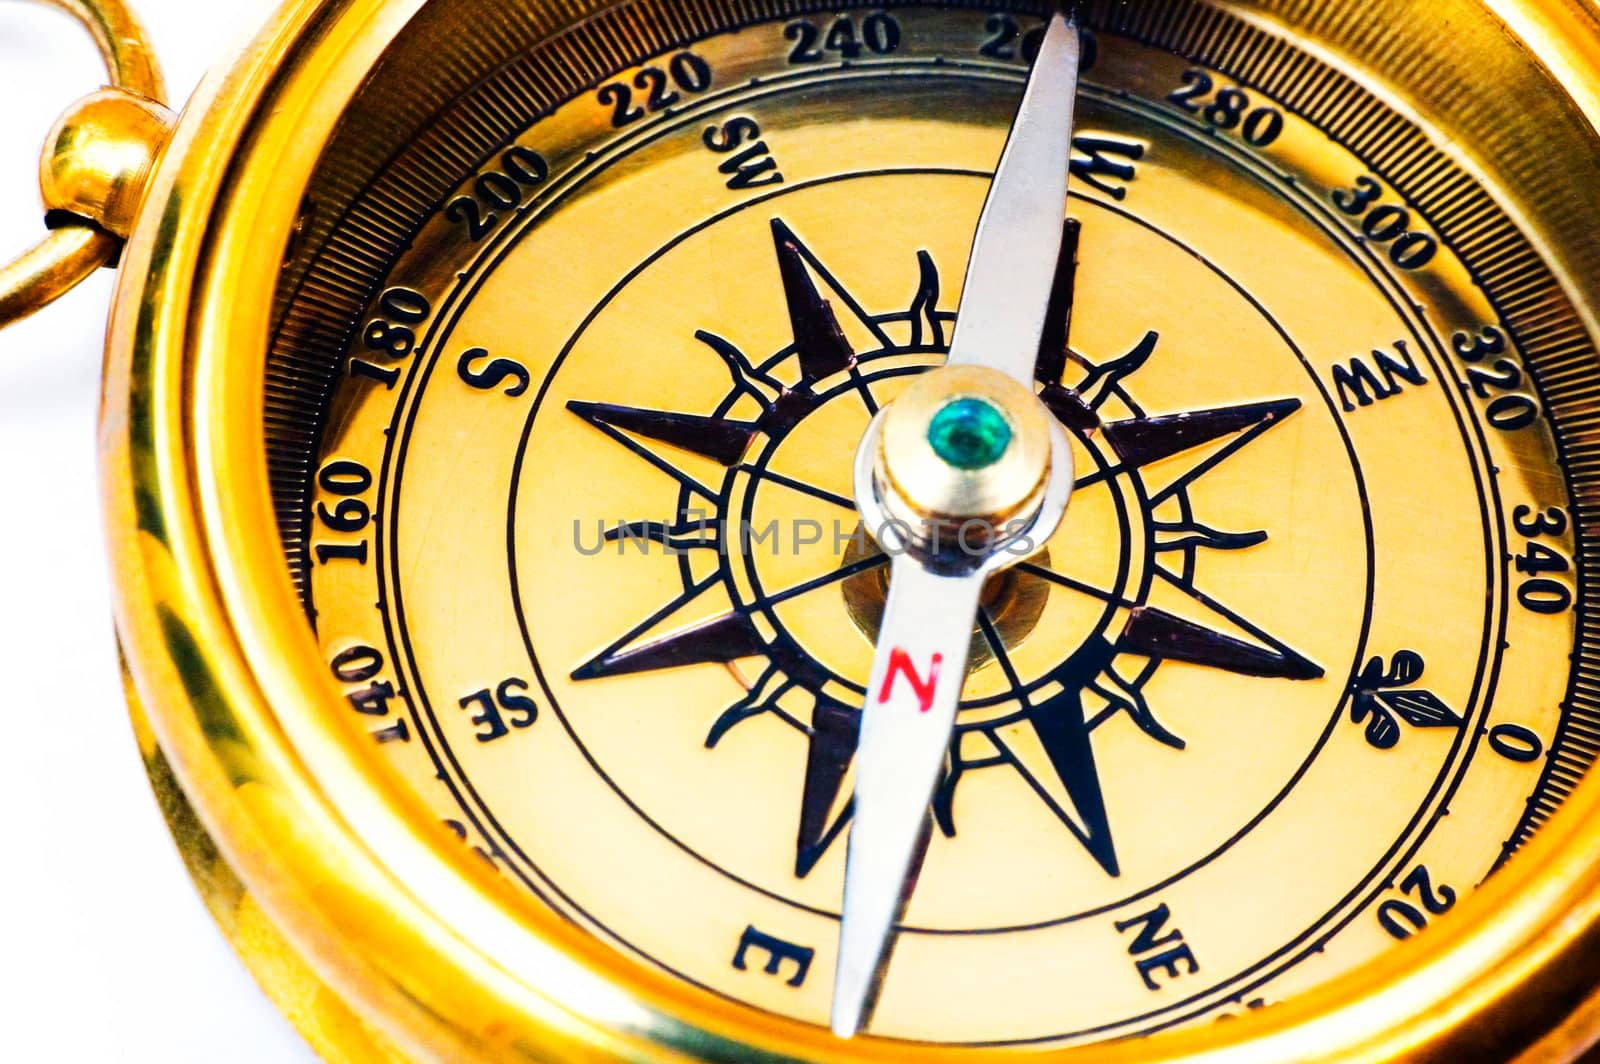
(1379, 699)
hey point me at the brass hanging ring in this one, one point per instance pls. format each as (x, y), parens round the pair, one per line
(90, 179)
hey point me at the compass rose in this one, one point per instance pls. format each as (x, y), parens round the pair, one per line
(1039, 719)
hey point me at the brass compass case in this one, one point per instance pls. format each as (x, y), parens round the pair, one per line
(1349, 241)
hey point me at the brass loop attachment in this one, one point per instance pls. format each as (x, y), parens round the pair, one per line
(95, 164)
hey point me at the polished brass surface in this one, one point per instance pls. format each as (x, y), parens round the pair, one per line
(445, 887)
(51, 268)
(123, 45)
(99, 156)
(94, 165)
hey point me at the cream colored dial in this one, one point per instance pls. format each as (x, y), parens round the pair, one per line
(1292, 677)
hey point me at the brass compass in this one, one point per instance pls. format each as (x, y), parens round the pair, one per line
(769, 530)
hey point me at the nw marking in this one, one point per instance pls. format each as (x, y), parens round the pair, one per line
(1360, 385)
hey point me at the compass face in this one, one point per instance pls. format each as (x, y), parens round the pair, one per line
(574, 519)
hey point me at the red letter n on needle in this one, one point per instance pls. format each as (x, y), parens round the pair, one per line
(900, 664)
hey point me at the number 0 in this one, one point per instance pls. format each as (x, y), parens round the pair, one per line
(1515, 743)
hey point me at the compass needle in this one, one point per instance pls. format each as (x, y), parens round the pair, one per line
(922, 645)
(1011, 274)
(905, 731)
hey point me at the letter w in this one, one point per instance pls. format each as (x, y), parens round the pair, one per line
(750, 168)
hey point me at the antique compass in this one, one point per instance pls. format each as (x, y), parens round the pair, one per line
(762, 529)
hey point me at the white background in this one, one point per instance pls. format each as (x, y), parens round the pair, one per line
(105, 950)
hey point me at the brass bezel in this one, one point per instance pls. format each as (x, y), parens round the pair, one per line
(374, 901)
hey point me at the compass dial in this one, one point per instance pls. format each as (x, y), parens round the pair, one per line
(573, 515)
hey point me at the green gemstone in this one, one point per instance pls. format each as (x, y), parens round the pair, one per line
(969, 433)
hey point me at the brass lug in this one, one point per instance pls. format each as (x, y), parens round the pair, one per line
(99, 158)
